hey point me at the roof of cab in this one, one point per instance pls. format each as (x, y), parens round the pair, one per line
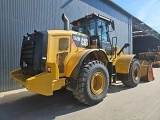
(91, 16)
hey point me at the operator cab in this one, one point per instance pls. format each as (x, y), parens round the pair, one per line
(97, 28)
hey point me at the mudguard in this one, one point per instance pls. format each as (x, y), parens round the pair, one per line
(123, 64)
(75, 62)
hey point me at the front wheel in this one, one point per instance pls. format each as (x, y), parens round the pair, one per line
(92, 83)
(132, 79)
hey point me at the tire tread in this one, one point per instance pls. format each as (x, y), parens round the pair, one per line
(129, 82)
(79, 93)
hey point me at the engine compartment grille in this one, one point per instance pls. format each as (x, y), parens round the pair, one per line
(32, 52)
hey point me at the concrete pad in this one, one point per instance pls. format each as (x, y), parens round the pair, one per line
(2, 94)
(121, 103)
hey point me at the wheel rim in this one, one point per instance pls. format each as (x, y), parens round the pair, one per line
(136, 73)
(97, 83)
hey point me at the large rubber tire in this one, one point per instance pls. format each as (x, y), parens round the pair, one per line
(132, 79)
(92, 83)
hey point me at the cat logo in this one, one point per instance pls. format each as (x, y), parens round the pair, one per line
(84, 41)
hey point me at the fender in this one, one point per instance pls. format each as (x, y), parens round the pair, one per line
(123, 64)
(75, 62)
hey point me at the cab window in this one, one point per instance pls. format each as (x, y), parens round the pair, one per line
(101, 30)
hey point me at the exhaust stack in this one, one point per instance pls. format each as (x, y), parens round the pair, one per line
(66, 22)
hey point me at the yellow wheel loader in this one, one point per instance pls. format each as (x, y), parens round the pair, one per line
(83, 60)
(152, 56)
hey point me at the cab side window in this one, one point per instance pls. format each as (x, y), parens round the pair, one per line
(101, 31)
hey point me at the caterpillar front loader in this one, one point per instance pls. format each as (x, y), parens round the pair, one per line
(152, 56)
(83, 60)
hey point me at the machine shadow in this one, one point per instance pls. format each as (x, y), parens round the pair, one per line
(117, 87)
(27, 105)
(38, 107)
(144, 81)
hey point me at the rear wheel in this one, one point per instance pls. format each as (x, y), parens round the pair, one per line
(92, 83)
(132, 79)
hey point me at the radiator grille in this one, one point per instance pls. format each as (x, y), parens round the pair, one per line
(32, 52)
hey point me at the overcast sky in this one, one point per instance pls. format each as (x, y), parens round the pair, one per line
(147, 11)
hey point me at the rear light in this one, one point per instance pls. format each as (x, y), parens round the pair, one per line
(48, 69)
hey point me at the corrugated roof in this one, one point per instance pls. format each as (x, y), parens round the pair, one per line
(137, 24)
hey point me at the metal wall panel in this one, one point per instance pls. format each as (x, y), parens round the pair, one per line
(17, 17)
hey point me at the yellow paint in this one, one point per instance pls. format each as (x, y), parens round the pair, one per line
(156, 63)
(114, 57)
(18, 76)
(93, 46)
(77, 56)
(123, 63)
(144, 67)
(58, 84)
(41, 83)
(97, 83)
(73, 50)
(52, 54)
(44, 83)
(73, 61)
(47, 82)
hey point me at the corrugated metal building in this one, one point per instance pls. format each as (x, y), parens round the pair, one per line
(18, 17)
(144, 38)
